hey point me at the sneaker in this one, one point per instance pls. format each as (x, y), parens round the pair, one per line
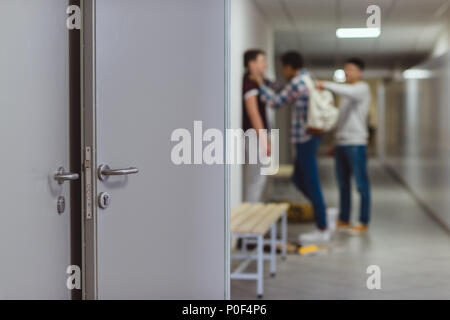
(358, 229)
(332, 218)
(343, 226)
(315, 236)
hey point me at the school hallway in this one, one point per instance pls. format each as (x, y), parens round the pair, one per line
(129, 128)
(410, 247)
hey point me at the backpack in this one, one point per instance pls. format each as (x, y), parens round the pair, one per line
(322, 112)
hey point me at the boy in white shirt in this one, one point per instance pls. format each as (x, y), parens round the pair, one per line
(351, 140)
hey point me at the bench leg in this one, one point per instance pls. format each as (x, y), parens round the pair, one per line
(284, 235)
(273, 249)
(260, 267)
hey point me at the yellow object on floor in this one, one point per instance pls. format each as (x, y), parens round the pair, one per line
(308, 250)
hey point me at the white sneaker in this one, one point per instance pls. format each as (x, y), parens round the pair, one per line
(316, 236)
(332, 218)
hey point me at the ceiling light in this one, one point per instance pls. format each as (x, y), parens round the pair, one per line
(417, 74)
(358, 32)
(339, 75)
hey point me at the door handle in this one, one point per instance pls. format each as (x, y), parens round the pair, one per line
(104, 171)
(61, 176)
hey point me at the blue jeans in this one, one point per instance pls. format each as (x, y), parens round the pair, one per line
(353, 160)
(306, 178)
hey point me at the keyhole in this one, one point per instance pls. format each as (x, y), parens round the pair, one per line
(104, 200)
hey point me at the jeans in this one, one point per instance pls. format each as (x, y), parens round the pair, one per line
(353, 160)
(306, 178)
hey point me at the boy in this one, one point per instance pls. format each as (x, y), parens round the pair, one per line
(351, 139)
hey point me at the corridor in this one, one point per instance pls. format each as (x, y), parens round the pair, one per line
(410, 247)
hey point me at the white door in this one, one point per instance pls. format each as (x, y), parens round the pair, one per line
(34, 137)
(160, 65)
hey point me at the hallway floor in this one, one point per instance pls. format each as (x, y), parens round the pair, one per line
(411, 249)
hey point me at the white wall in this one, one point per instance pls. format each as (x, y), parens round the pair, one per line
(249, 29)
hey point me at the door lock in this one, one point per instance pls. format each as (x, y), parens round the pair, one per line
(104, 200)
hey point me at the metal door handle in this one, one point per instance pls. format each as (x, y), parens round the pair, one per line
(61, 176)
(104, 171)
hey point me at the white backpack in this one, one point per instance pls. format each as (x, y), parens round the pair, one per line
(322, 112)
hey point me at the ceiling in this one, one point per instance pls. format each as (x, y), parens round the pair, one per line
(409, 29)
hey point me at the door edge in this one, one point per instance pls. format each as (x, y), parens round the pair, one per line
(89, 150)
(227, 125)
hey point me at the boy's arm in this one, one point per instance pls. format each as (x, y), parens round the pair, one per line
(353, 91)
(274, 85)
(287, 94)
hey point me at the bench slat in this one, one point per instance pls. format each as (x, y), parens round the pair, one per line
(243, 207)
(256, 218)
(275, 214)
(245, 215)
(248, 224)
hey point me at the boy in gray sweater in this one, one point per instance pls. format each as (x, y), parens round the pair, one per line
(351, 140)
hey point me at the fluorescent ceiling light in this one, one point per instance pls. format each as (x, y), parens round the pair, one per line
(339, 76)
(358, 32)
(417, 74)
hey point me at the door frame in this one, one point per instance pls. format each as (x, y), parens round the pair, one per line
(89, 138)
(89, 153)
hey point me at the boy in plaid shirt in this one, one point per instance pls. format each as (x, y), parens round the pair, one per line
(306, 174)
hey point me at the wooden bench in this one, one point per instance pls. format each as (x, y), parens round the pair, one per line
(251, 222)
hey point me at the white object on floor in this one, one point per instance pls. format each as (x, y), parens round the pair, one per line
(315, 236)
(332, 218)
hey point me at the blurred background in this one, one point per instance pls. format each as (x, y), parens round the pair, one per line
(408, 69)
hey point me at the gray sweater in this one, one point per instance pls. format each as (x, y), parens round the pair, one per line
(353, 112)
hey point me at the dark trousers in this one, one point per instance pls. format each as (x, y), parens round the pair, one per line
(306, 178)
(352, 160)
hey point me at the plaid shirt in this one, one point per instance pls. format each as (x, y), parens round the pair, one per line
(297, 93)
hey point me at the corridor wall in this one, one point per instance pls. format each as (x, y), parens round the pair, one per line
(416, 144)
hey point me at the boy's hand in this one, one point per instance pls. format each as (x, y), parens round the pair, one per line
(264, 144)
